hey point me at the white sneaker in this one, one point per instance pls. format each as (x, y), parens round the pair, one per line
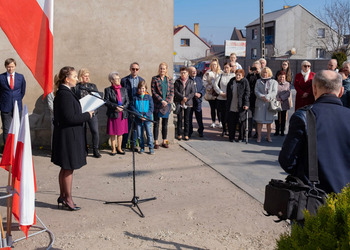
(212, 125)
(220, 125)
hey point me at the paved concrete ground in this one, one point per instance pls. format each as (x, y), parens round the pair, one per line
(249, 166)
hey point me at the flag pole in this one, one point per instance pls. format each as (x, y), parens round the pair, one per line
(9, 203)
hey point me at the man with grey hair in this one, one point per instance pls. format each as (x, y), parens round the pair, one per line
(332, 65)
(333, 133)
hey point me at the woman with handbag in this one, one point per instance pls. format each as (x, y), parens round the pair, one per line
(283, 93)
(220, 87)
(184, 91)
(210, 94)
(265, 91)
(162, 87)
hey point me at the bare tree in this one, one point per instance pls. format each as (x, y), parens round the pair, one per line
(336, 14)
(208, 41)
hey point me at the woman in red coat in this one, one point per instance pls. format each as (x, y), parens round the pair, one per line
(303, 86)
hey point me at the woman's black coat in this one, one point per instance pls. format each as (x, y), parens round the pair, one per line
(112, 102)
(68, 144)
(243, 93)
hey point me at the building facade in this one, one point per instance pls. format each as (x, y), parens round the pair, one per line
(291, 32)
(188, 45)
(103, 36)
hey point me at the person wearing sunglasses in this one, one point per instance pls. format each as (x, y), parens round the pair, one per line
(303, 86)
(130, 82)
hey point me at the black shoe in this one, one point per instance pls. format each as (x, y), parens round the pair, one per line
(97, 153)
(121, 152)
(276, 134)
(200, 134)
(255, 136)
(71, 208)
(59, 201)
(282, 134)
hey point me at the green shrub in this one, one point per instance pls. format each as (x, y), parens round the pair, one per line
(340, 57)
(328, 229)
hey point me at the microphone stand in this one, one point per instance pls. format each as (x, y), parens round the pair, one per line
(135, 199)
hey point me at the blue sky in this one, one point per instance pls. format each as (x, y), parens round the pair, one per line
(217, 18)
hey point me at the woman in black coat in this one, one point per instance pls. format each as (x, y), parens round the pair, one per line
(184, 91)
(117, 124)
(68, 145)
(238, 93)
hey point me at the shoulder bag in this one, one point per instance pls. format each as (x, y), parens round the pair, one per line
(290, 198)
(275, 105)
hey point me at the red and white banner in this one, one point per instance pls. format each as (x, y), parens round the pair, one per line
(8, 156)
(29, 27)
(23, 207)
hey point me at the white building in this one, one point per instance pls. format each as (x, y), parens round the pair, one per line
(290, 32)
(188, 45)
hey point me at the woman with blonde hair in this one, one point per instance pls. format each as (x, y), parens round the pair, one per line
(210, 93)
(81, 91)
(303, 86)
(162, 87)
(265, 91)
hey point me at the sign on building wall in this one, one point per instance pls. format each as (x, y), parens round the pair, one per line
(235, 46)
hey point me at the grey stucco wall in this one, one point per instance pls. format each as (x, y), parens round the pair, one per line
(102, 36)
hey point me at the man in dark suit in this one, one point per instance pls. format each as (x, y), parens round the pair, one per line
(130, 82)
(333, 133)
(12, 88)
(197, 102)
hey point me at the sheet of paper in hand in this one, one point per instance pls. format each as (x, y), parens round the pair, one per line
(91, 102)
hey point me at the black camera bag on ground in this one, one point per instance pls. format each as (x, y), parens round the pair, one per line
(288, 199)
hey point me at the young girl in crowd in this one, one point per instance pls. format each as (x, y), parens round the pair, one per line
(143, 104)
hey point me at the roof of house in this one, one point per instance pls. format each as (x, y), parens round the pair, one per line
(217, 49)
(238, 34)
(180, 27)
(272, 16)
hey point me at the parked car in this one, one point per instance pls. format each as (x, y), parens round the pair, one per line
(202, 67)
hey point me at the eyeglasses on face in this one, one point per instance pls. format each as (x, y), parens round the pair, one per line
(307, 66)
(134, 69)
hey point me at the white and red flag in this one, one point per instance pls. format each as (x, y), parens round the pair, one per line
(23, 207)
(29, 27)
(8, 156)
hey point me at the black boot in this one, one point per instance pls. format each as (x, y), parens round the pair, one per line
(97, 153)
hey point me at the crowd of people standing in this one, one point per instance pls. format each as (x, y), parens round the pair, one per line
(240, 102)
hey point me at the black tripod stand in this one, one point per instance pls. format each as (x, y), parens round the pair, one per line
(135, 199)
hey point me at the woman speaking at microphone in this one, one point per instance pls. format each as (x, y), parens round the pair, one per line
(68, 145)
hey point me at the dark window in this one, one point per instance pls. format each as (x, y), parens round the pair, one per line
(254, 34)
(185, 42)
(269, 35)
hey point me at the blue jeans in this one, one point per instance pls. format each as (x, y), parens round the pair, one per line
(140, 128)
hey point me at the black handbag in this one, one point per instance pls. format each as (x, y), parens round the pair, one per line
(288, 199)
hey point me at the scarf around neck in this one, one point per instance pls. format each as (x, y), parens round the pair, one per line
(305, 74)
(117, 92)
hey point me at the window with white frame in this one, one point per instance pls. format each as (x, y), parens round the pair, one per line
(254, 53)
(320, 53)
(185, 42)
(321, 33)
